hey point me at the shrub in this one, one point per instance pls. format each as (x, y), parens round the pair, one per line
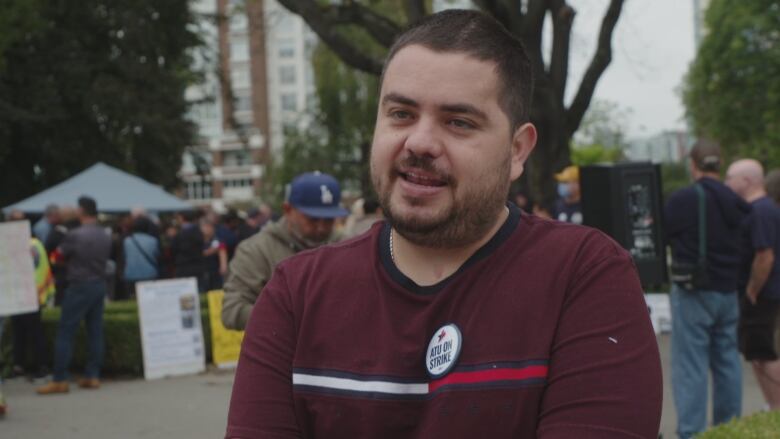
(123, 355)
(758, 426)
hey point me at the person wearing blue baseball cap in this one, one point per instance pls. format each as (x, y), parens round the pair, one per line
(312, 204)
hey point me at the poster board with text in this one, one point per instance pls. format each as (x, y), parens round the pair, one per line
(18, 293)
(171, 332)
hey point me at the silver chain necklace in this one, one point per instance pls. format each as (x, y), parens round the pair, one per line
(392, 255)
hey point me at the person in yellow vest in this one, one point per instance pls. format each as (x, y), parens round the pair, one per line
(28, 328)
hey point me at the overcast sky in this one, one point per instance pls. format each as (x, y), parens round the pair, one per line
(653, 45)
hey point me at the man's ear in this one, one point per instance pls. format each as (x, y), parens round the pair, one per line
(523, 143)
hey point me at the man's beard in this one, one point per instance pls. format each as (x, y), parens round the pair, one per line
(466, 220)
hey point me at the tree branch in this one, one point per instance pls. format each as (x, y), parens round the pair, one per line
(563, 16)
(415, 10)
(324, 27)
(497, 10)
(534, 20)
(381, 28)
(598, 65)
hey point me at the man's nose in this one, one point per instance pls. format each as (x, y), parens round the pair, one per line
(424, 138)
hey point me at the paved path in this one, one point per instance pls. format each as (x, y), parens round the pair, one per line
(187, 407)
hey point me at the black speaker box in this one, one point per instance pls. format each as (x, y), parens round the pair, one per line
(624, 201)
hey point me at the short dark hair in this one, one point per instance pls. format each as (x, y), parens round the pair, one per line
(482, 37)
(143, 224)
(190, 215)
(88, 205)
(706, 155)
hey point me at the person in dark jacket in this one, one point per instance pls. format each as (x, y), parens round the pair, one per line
(705, 316)
(187, 250)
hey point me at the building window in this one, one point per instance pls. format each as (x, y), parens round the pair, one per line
(242, 103)
(239, 157)
(240, 76)
(238, 18)
(287, 74)
(199, 190)
(289, 102)
(237, 183)
(239, 50)
(286, 48)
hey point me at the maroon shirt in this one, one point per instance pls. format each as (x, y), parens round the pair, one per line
(556, 343)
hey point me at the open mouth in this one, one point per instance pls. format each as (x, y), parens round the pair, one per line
(422, 179)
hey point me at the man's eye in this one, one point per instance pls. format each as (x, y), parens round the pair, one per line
(460, 123)
(400, 115)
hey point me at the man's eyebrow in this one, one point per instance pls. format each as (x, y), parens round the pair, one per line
(463, 109)
(399, 99)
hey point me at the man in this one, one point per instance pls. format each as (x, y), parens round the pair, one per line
(50, 219)
(187, 250)
(759, 279)
(256, 218)
(86, 250)
(309, 212)
(704, 316)
(568, 207)
(458, 316)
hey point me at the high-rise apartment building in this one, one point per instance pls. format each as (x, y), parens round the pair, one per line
(258, 80)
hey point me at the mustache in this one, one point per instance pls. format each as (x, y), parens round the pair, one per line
(425, 164)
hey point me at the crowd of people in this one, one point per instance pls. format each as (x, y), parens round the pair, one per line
(725, 295)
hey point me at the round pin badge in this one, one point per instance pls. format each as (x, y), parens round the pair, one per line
(443, 350)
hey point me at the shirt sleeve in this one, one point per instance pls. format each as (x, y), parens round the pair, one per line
(605, 371)
(261, 405)
(249, 271)
(762, 231)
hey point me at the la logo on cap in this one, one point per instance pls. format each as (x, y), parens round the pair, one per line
(326, 195)
(443, 350)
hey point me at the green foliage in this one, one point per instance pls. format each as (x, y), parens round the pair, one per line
(674, 176)
(338, 136)
(93, 81)
(18, 19)
(732, 91)
(759, 426)
(593, 154)
(123, 354)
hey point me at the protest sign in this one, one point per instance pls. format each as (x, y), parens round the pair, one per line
(171, 333)
(18, 293)
(225, 343)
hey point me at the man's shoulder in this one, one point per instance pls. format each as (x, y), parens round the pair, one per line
(270, 241)
(555, 239)
(766, 207)
(348, 255)
(681, 194)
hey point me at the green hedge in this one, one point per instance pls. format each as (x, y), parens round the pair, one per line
(758, 426)
(122, 334)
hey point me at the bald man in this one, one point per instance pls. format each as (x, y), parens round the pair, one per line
(759, 279)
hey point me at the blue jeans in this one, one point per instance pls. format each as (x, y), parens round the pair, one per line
(704, 338)
(83, 300)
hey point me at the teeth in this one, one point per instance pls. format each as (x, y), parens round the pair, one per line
(424, 180)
